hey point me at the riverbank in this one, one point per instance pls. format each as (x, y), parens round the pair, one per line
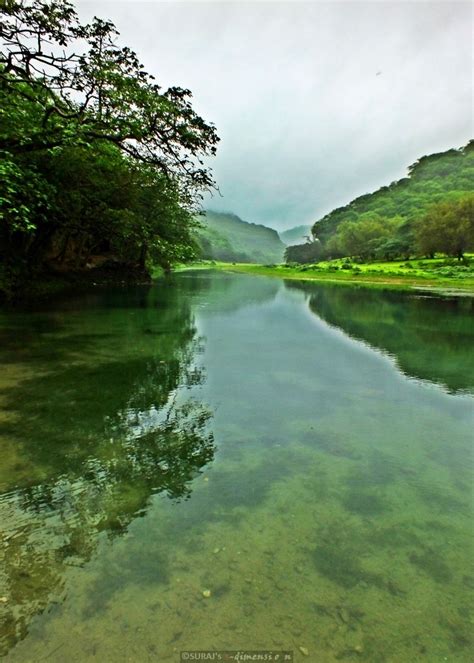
(50, 284)
(438, 273)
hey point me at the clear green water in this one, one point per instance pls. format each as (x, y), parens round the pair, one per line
(303, 452)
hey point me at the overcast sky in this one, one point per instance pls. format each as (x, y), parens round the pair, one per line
(314, 102)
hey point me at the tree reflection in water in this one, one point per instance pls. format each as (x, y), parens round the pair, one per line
(99, 420)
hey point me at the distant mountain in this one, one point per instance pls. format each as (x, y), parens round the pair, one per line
(226, 237)
(296, 235)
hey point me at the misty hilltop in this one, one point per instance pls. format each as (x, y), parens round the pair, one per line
(225, 236)
(296, 235)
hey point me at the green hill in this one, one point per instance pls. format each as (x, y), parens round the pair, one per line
(296, 235)
(432, 179)
(226, 237)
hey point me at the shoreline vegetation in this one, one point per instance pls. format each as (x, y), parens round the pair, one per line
(101, 169)
(434, 274)
(441, 275)
(103, 176)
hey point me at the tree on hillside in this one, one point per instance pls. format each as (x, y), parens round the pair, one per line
(447, 227)
(367, 238)
(309, 252)
(430, 180)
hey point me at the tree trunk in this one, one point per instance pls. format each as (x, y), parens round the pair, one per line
(142, 257)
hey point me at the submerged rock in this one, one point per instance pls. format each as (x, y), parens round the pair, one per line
(344, 615)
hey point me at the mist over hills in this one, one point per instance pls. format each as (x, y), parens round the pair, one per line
(226, 237)
(296, 235)
(398, 209)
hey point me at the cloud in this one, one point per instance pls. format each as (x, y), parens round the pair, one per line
(305, 119)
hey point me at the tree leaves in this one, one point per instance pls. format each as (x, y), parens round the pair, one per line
(95, 156)
(96, 90)
(447, 227)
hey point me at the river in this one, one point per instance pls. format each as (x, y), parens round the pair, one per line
(224, 462)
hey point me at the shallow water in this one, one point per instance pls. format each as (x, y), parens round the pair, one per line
(302, 452)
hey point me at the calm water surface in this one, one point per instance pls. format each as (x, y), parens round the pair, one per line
(301, 452)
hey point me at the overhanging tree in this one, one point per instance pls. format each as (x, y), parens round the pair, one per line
(84, 87)
(93, 151)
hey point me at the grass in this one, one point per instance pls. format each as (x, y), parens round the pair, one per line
(438, 272)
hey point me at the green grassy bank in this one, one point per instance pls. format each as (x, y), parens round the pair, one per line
(439, 273)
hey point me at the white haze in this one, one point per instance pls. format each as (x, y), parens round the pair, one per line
(315, 103)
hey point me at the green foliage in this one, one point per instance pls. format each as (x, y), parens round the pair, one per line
(437, 272)
(303, 253)
(438, 178)
(447, 227)
(370, 237)
(96, 161)
(98, 91)
(24, 195)
(226, 237)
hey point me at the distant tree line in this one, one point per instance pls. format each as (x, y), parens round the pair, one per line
(430, 211)
(95, 158)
